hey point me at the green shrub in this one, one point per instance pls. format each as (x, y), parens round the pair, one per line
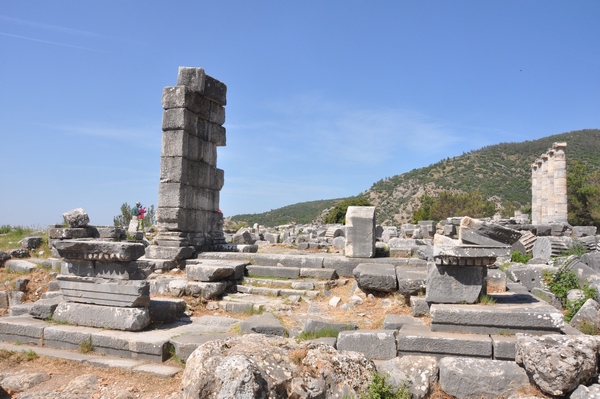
(322, 333)
(518, 257)
(338, 213)
(578, 249)
(561, 282)
(379, 388)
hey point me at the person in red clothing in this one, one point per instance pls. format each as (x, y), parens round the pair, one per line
(141, 211)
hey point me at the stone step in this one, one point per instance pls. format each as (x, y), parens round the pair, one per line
(300, 284)
(209, 270)
(274, 292)
(512, 313)
(150, 345)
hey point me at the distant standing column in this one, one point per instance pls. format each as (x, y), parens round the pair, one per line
(539, 163)
(550, 192)
(534, 205)
(560, 181)
(545, 185)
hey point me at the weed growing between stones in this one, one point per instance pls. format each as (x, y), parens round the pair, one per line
(30, 355)
(322, 333)
(518, 257)
(486, 300)
(588, 328)
(176, 359)
(254, 310)
(578, 249)
(297, 355)
(379, 388)
(560, 283)
(236, 329)
(86, 346)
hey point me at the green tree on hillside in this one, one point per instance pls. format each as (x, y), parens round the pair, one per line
(338, 213)
(447, 204)
(583, 195)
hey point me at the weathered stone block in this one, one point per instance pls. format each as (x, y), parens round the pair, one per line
(419, 306)
(314, 325)
(116, 318)
(481, 378)
(216, 134)
(376, 277)
(411, 280)
(455, 284)
(99, 250)
(20, 266)
(495, 281)
(374, 344)
(72, 233)
(201, 272)
(121, 293)
(215, 90)
(273, 271)
(419, 373)
(360, 232)
(22, 329)
(531, 276)
(396, 321)
(504, 346)
(76, 218)
(205, 290)
(44, 308)
(419, 340)
(263, 324)
(193, 78)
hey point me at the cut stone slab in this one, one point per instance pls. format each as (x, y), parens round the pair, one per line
(205, 290)
(531, 276)
(588, 313)
(506, 316)
(22, 329)
(495, 281)
(19, 266)
(166, 310)
(72, 233)
(134, 270)
(504, 346)
(116, 318)
(396, 321)
(237, 267)
(419, 306)
(98, 291)
(315, 325)
(263, 324)
(493, 232)
(419, 373)
(374, 344)
(171, 253)
(419, 340)
(455, 284)
(481, 378)
(379, 277)
(273, 271)
(208, 273)
(67, 337)
(187, 343)
(546, 295)
(468, 255)
(157, 370)
(323, 274)
(99, 250)
(360, 232)
(44, 308)
(21, 309)
(411, 280)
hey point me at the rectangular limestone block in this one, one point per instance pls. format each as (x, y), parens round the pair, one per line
(111, 317)
(360, 232)
(216, 134)
(208, 153)
(22, 329)
(193, 78)
(180, 143)
(419, 340)
(180, 119)
(374, 344)
(455, 284)
(67, 337)
(215, 90)
(72, 233)
(506, 316)
(175, 170)
(273, 271)
(217, 114)
(184, 97)
(99, 291)
(99, 250)
(172, 195)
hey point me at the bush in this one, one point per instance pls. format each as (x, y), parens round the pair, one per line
(338, 213)
(518, 257)
(380, 389)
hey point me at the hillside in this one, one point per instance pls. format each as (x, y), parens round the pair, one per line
(501, 172)
(301, 213)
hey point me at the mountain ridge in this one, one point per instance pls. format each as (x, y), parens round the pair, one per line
(501, 172)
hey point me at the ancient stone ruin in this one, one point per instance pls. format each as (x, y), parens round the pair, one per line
(188, 212)
(494, 328)
(549, 186)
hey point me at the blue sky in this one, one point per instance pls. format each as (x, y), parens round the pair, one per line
(324, 97)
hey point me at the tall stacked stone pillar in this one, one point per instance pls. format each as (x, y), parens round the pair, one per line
(188, 212)
(560, 182)
(549, 186)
